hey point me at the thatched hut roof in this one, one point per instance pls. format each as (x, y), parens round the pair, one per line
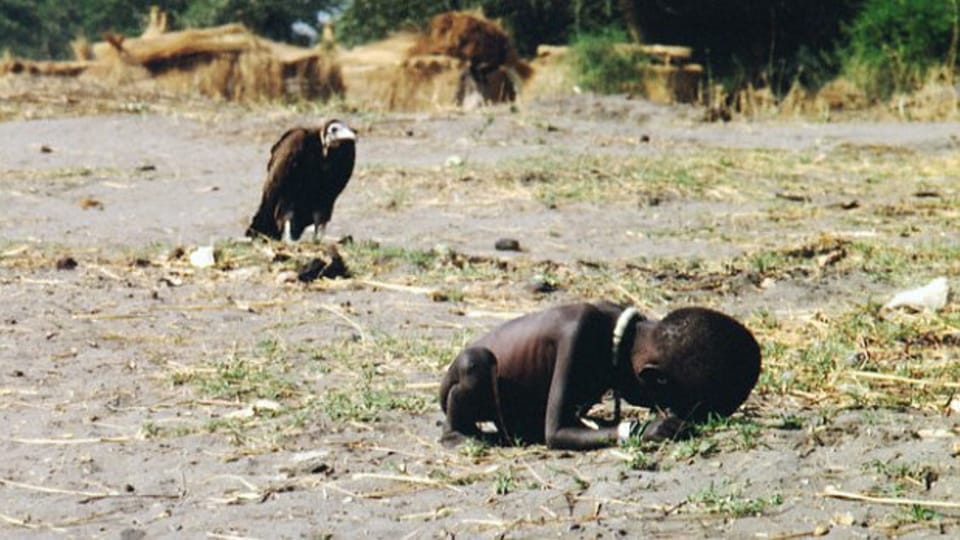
(225, 61)
(228, 61)
(461, 53)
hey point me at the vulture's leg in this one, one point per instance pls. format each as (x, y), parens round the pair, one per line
(287, 236)
(319, 228)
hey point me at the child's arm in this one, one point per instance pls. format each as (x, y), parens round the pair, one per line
(581, 340)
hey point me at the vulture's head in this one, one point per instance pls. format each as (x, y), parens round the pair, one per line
(336, 133)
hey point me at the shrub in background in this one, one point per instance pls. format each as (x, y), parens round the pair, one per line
(893, 43)
(603, 67)
(764, 43)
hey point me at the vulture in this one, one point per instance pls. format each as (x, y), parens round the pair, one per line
(308, 169)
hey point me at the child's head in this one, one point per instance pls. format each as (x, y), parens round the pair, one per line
(697, 361)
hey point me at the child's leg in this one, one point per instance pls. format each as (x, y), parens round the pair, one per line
(467, 394)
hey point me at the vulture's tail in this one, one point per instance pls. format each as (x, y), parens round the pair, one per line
(264, 224)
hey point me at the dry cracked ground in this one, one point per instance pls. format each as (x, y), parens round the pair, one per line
(143, 397)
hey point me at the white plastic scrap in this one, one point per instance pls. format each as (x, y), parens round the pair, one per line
(932, 296)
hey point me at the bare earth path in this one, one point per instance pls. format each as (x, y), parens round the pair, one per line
(140, 395)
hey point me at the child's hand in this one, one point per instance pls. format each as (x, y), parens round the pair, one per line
(664, 428)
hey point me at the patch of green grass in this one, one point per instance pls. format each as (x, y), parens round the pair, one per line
(557, 180)
(504, 482)
(916, 513)
(732, 503)
(237, 430)
(63, 173)
(767, 262)
(370, 257)
(150, 429)
(474, 448)
(790, 422)
(863, 358)
(433, 354)
(748, 435)
(260, 380)
(243, 376)
(902, 476)
(368, 399)
(746, 430)
(765, 319)
(693, 447)
(243, 379)
(640, 460)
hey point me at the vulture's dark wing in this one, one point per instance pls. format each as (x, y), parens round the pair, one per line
(287, 172)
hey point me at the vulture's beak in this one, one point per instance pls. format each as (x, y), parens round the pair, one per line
(338, 134)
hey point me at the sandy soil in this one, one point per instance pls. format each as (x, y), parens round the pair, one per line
(100, 439)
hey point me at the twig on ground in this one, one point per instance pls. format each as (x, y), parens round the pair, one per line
(396, 287)
(21, 523)
(339, 313)
(44, 489)
(537, 477)
(220, 536)
(65, 442)
(901, 379)
(406, 478)
(834, 493)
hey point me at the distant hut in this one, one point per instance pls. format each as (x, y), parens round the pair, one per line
(227, 61)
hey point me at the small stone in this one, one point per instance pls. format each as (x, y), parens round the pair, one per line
(132, 534)
(287, 276)
(66, 263)
(454, 161)
(845, 519)
(850, 205)
(507, 244)
(89, 203)
(540, 284)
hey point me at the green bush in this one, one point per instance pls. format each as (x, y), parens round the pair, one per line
(894, 43)
(766, 43)
(601, 66)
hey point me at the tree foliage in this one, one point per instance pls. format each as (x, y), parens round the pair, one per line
(765, 42)
(369, 20)
(271, 19)
(892, 43)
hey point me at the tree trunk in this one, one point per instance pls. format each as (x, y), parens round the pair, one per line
(630, 18)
